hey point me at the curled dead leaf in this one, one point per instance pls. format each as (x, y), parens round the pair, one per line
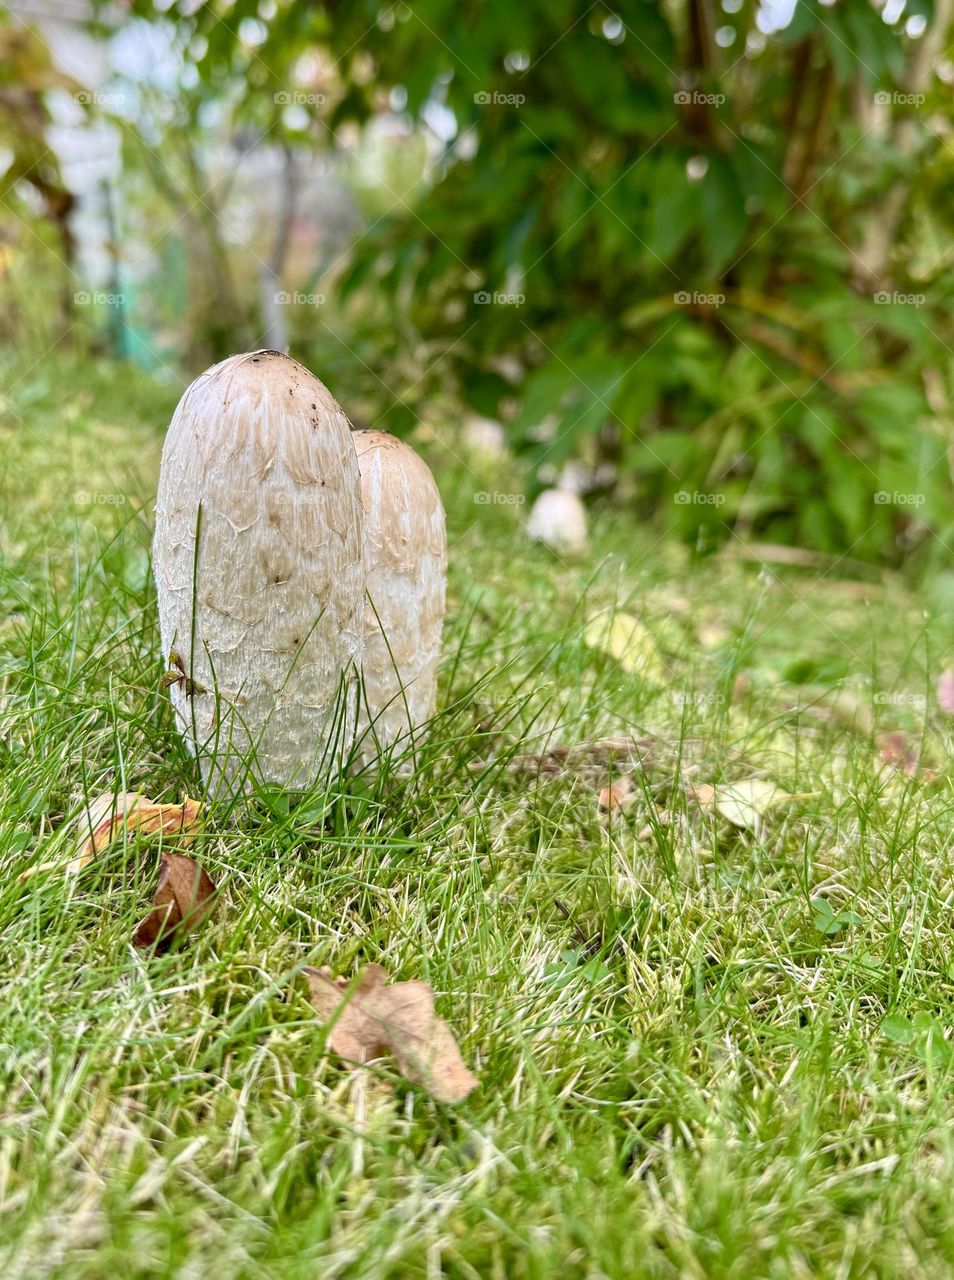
(617, 795)
(372, 1016)
(183, 898)
(109, 814)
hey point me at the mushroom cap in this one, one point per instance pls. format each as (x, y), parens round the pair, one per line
(406, 566)
(403, 512)
(266, 607)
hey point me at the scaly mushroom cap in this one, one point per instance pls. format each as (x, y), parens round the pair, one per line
(266, 611)
(405, 555)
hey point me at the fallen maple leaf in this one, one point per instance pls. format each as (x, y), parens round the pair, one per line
(109, 814)
(373, 1016)
(945, 691)
(183, 898)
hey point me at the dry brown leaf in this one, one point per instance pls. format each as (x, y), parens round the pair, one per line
(374, 1016)
(109, 814)
(617, 795)
(183, 898)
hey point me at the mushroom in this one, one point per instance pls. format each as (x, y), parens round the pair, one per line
(484, 437)
(258, 566)
(405, 556)
(558, 519)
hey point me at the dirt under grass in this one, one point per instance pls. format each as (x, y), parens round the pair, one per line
(705, 1048)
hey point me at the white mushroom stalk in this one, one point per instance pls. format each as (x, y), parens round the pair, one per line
(405, 555)
(258, 567)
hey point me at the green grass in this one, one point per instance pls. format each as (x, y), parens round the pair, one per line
(686, 1069)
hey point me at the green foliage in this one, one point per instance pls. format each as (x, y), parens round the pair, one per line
(713, 257)
(633, 172)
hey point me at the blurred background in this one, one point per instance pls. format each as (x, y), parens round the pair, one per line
(691, 259)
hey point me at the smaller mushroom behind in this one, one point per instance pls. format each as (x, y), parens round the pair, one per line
(405, 555)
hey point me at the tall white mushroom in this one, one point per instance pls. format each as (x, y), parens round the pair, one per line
(405, 555)
(258, 566)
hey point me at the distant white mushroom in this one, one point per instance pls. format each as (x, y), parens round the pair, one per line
(405, 555)
(484, 436)
(558, 520)
(258, 566)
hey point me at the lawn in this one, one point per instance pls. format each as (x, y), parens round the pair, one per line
(705, 1047)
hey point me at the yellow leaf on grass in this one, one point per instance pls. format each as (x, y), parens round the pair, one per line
(106, 816)
(109, 814)
(374, 1016)
(629, 641)
(741, 803)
